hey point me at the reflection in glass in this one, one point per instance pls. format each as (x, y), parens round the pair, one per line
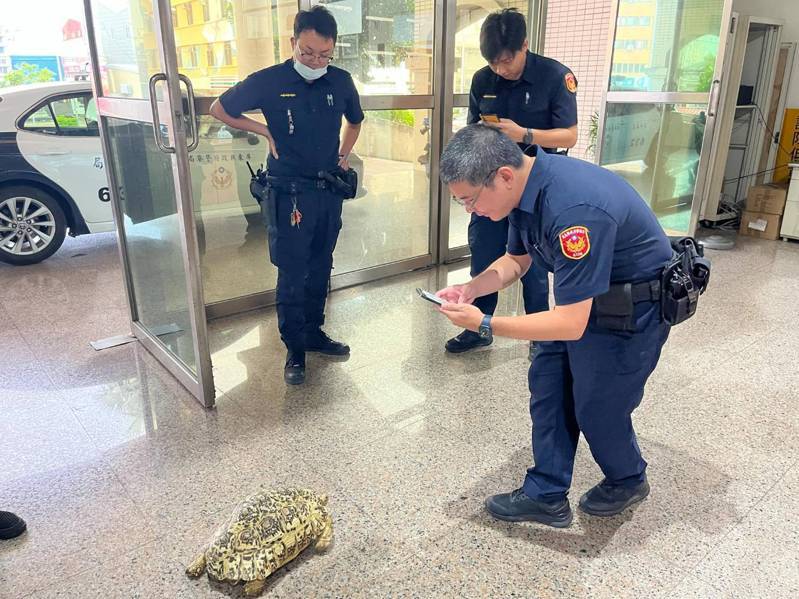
(458, 217)
(387, 45)
(666, 45)
(656, 148)
(231, 235)
(221, 42)
(469, 20)
(153, 239)
(126, 46)
(388, 220)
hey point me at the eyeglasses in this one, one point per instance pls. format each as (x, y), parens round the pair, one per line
(310, 55)
(469, 203)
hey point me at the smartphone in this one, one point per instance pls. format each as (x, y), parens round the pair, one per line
(489, 118)
(430, 297)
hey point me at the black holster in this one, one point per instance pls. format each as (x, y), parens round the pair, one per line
(615, 309)
(684, 279)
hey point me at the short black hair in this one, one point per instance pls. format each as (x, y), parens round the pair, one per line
(502, 31)
(318, 19)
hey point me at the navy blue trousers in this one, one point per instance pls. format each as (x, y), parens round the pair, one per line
(591, 386)
(488, 240)
(303, 255)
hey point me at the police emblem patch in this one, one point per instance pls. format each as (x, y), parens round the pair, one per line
(571, 82)
(574, 242)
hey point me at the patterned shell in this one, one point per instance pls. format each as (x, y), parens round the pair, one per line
(265, 532)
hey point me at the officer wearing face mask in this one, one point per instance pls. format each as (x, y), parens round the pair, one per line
(303, 101)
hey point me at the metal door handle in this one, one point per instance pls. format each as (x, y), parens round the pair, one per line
(714, 98)
(157, 119)
(195, 138)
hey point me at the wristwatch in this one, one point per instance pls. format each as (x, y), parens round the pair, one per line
(485, 327)
(528, 137)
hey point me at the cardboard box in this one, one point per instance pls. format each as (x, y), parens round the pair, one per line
(768, 198)
(760, 225)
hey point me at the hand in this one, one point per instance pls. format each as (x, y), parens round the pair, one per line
(272, 145)
(464, 316)
(511, 129)
(457, 294)
(343, 163)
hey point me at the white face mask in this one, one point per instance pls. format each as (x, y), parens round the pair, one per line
(307, 72)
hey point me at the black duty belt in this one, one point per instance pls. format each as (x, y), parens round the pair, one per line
(648, 291)
(296, 183)
(614, 310)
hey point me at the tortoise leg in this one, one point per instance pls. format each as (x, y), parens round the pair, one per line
(253, 588)
(197, 567)
(326, 538)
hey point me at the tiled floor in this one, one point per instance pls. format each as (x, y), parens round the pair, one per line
(121, 475)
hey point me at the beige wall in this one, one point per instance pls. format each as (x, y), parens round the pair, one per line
(577, 35)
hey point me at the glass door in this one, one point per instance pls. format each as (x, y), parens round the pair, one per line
(147, 135)
(464, 20)
(661, 101)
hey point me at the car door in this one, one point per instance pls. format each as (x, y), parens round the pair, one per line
(60, 138)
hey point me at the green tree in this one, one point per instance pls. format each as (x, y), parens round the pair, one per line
(27, 73)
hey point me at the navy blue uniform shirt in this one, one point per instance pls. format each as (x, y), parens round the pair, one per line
(304, 118)
(545, 97)
(588, 226)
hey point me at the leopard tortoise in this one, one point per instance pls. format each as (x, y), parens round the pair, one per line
(264, 533)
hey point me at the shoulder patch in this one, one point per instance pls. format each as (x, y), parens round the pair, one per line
(571, 82)
(574, 242)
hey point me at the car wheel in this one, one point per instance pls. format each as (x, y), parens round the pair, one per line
(32, 225)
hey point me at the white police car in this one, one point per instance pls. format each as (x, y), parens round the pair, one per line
(52, 177)
(52, 174)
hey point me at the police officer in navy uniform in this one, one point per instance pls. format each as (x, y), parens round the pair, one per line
(303, 101)
(535, 100)
(596, 348)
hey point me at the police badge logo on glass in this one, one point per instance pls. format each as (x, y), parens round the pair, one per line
(574, 242)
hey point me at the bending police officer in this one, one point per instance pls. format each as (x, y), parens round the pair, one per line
(596, 348)
(535, 100)
(303, 101)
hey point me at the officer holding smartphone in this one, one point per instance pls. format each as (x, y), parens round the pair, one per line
(531, 99)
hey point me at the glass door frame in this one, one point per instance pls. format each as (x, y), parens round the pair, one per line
(170, 113)
(709, 98)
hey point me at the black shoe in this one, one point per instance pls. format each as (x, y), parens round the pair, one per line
(607, 499)
(467, 340)
(319, 341)
(518, 507)
(11, 525)
(294, 372)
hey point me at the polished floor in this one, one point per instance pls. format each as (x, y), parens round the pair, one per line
(121, 475)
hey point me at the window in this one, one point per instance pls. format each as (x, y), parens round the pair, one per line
(206, 11)
(71, 116)
(209, 54)
(189, 15)
(42, 120)
(228, 54)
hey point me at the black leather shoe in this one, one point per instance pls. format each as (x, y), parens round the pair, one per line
(11, 525)
(294, 372)
(518, 507)
(467, 340)
(319, 341)
(607, 499)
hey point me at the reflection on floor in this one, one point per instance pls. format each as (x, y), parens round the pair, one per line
(121, 475)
